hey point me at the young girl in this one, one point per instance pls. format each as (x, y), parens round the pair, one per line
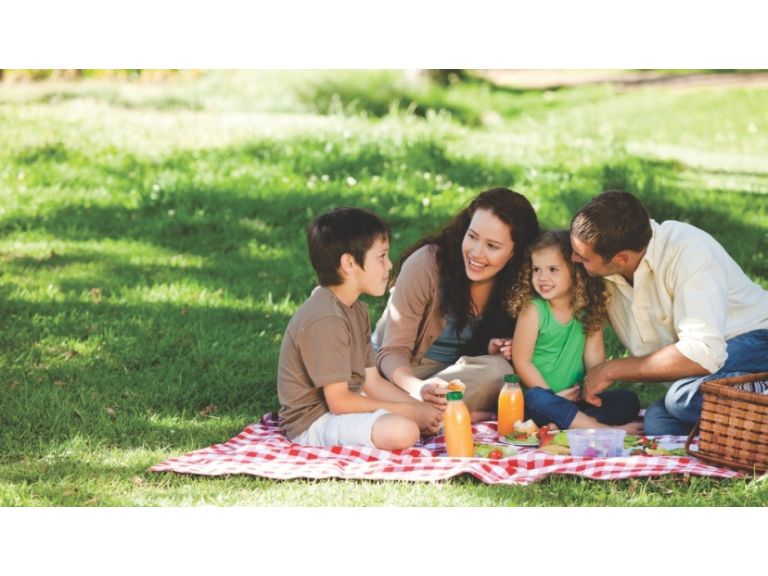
(560, 314)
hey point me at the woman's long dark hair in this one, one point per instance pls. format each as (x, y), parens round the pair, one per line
(514, 210)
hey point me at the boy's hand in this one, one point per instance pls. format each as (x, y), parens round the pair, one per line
(501, 346)
(427, 417)
(573, 393)
(433, 392)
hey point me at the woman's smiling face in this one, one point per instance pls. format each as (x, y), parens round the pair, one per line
(487, 246)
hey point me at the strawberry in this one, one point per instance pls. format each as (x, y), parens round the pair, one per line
(544, 436)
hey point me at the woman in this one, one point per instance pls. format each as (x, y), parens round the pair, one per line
(448, 303)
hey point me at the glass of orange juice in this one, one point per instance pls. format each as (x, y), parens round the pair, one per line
(511, 406)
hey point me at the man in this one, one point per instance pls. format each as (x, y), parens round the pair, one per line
(680, 304)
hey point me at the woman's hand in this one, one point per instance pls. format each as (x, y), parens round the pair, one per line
(501, 346)
(433, 392)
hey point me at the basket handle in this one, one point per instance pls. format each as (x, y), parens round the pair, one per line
(690, 438)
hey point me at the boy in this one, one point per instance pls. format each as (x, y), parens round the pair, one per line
(326, 357)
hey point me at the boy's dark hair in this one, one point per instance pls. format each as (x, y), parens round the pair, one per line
(612, 222)
(342, 231)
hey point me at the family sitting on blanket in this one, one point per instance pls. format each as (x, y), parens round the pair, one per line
(449, 309)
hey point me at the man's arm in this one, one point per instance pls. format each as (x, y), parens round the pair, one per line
(665, 364)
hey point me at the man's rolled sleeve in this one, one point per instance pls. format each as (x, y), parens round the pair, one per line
(700, 309)
(709, 353)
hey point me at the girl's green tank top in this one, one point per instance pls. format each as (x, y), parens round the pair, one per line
(559, 350)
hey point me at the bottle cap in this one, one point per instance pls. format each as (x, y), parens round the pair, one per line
(511, 379)
(455, 395)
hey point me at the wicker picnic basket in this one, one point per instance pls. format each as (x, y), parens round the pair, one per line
(733, 430)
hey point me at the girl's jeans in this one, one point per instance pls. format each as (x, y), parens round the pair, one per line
(544, 406)
(680, 409)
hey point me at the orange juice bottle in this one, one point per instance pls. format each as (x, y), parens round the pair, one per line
(511, 406)
(458, 427)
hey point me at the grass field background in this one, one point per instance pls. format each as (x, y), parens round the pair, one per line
(152, 251)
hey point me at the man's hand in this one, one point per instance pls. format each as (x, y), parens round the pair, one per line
(501, 346)
(573, 393)
(433, 392)
(595, 381)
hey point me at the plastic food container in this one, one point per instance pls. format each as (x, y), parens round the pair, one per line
(596, 442)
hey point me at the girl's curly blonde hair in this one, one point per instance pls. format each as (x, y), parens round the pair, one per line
(588, 294)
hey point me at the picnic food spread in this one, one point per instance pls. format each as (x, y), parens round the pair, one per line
(583, 442)
(556, 442)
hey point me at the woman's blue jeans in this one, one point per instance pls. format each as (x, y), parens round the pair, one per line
(544, 406)
(680, 409)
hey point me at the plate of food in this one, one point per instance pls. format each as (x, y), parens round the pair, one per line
(525, 434)
(549, 441)
(521, 439)
(650, 446)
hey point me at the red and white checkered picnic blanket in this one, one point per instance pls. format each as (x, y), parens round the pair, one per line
(262, 450)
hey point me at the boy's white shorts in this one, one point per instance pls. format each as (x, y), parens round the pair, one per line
(341, 429)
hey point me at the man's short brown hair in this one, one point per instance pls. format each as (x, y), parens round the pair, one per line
(612, 222)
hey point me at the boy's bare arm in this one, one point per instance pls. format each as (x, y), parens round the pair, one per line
(379, 388)
(341, 400)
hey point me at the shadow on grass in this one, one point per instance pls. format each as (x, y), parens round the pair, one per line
(240, 276)
(236, 221)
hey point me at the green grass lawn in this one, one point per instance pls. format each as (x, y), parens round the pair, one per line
(152, 251)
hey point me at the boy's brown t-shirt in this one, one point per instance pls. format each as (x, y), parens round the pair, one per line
(325, 342)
